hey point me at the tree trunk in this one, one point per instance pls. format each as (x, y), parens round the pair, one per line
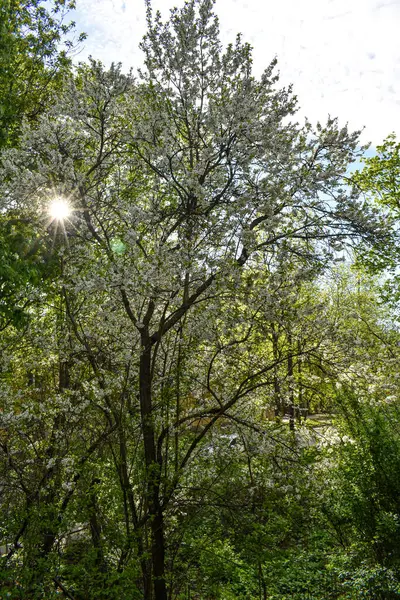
(46, 500)
(129, 504)
(279, 405)
(263, 585)
(291, 383)
(153, 470)
(95, 528)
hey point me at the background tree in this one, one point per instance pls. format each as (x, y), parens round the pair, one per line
(34, 45)
(380, 180)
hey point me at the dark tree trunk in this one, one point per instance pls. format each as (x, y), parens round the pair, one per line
(153, 470)
(279, 405)
(263, 585)
(129, 505)
(95, 528)
(291, 384)
(46, 499)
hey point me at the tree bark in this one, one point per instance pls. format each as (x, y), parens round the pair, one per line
(153, 469)
(129, 504)
(279, 404)
(291, 384)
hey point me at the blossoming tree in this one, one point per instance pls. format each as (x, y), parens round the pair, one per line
(186, 191)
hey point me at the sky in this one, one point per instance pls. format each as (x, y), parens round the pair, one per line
(342, 56)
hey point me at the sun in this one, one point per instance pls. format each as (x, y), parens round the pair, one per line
(60, 209)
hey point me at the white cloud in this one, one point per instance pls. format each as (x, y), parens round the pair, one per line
(341, 55)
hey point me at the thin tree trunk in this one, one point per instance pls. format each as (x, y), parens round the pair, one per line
(263, 585)
(279, 405)
(178, 398)
(300, 392)
(129, 501)
(46, 499)
(95, 528)
(291, 383)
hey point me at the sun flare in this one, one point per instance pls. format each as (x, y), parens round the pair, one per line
(60, 209)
